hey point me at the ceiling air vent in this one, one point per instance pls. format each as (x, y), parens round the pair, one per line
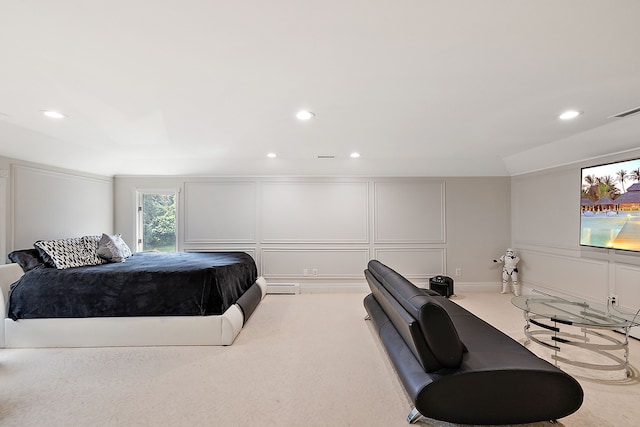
(326, 157)
(627, 113)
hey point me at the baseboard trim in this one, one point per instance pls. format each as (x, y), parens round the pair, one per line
(363, 287)
(477, 287)
(310, 288)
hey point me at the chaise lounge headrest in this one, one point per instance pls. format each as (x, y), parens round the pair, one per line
(440, 334)
(439, 331)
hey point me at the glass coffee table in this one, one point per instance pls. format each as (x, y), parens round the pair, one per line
(549, 313)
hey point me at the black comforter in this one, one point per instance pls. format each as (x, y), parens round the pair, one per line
(147, 284)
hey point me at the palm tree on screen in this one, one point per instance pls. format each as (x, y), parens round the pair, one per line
(590, 186)
(607, 188)
(622, 177)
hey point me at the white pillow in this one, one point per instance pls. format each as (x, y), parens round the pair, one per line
(123, 245)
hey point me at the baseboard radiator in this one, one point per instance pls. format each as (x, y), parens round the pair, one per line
(283, 288)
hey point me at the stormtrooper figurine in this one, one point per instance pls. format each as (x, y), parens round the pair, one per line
(509, 270)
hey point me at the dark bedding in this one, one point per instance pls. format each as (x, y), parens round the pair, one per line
(147, 284)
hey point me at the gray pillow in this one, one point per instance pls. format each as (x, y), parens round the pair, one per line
(113, 248)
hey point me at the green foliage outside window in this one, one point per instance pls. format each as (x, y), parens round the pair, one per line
(159, 219)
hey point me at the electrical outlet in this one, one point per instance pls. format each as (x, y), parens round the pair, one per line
(314, 272)
(458, 271)
(613, 299)
(305, 272)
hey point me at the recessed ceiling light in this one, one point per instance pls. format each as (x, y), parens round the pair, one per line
(271, 155)
(570, 114)
(53, 114)
(305, 115)
(355, 155)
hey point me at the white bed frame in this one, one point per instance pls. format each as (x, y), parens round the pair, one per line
(116, 331)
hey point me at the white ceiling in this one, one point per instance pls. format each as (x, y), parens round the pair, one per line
(418, 87)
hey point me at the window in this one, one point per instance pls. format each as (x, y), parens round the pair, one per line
(157, 221)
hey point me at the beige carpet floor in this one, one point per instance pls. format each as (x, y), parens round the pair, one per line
(303, 360)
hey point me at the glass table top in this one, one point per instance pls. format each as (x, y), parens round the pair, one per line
(576, 312)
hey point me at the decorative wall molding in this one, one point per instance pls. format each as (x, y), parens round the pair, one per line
(250, 251)
(409, 212)
(318, 263)
(314, 212)
(299, 223)
(579, 277)
(220, 212)
(626, 282)
(414, 263)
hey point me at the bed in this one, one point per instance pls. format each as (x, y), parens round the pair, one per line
(151, 299)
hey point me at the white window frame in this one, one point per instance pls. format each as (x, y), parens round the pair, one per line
(140, 193)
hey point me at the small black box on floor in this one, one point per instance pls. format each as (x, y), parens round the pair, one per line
(442, 285)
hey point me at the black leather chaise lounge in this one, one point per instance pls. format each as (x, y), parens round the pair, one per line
(457, 368)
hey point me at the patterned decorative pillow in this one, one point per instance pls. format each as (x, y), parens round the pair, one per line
(113, 248)
(92, 243)
(44, 256)
(64, 253)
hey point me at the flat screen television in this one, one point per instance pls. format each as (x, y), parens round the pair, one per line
(610, 206)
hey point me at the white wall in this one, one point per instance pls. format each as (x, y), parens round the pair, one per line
(41, 202)
(321, 232)
(420, 226)
(328, 227)
(546, 230)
